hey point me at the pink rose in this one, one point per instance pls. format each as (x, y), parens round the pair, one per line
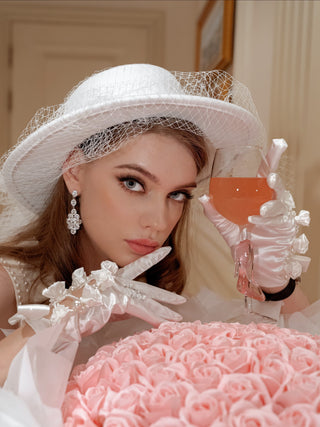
(303, 360)
(218, 329)
(193, 374)
(128, 399)
(79, 418)
(165, 400)
(122, 418)
(101, 355)
(163, 372)
(96, 402)
(158, 353)
(75, 411)
(168, 422)
(267, 328)
(253, 417)
(197, 354)
(148, 338)
(267, 344)
(219, 341)
(127, 351)
(207, 375)
(94, 397)
(127, 374)
(238, 359)
(186, 338)
(202, 409)
(295, 339)
(317, 404)
(169, 329)
(87, 378)
(73, 400)
(275, 373)
(248, 387)
(252, 329)
(106, 371)
(300, 415)
(93, 374)
(301, 389)
(241, 406)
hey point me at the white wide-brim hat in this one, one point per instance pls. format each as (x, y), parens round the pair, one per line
(217, 104)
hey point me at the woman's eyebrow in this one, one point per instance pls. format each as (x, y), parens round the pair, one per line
(140, 169)
(149, 175)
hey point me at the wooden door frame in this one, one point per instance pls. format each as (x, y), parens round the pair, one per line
(73, 13)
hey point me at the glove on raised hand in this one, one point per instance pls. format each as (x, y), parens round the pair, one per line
(103, 292)
(272, 233)
(274, 242)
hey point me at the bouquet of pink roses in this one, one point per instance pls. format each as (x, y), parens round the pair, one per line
(194, 374)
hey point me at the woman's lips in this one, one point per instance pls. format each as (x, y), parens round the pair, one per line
(142, 246)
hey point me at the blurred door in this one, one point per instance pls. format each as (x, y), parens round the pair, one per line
(49, 59)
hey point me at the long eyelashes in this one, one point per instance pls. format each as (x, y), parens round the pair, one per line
(135, 185)
(130, 183)
(186, 195)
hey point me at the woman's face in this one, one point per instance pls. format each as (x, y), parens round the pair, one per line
(131, 200)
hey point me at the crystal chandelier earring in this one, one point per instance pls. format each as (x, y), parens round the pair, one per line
(73, 219)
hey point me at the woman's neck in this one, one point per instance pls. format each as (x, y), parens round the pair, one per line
(89, 255)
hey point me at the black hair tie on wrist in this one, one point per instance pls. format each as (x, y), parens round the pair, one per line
(285, 293)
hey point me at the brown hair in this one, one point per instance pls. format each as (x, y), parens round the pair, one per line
(56, 252)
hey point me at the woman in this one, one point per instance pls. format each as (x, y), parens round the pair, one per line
(108, 176)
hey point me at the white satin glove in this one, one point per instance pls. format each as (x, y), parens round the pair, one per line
(273, 232)
(87, 305)
(274, 239)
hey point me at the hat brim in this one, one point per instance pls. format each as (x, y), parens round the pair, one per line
(223, 124)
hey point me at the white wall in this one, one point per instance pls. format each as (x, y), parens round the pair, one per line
(277, 55)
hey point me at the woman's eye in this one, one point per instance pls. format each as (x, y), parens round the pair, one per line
(132, 184)
(180, 196)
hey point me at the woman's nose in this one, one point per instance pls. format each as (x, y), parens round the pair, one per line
(155, 216)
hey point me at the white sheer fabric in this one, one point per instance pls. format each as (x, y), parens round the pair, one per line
(38, 376)
(34, 390)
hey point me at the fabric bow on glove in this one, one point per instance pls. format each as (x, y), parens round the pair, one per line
(88, 304)
(272, 233)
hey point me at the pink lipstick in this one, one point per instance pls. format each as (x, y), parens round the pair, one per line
(142, 246)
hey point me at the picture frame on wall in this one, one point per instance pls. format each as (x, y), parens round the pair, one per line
(215, 35)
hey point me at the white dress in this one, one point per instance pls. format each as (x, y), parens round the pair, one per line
(25, 400)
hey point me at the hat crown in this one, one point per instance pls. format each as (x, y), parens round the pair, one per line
(122, 82)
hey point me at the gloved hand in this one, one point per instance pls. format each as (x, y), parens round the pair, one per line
(274, 240)
(88, 304)
(272, 233)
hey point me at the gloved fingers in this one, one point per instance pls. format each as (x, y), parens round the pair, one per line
(304, 262)
(303, 218)
(210, 211)
(79, 278)
(228, 230)
(293, 268)
(273, 157)
(151, 292)
(275, 221)
(301, 244)
(273, 208)
(275, 182)
(152, 312)
(142, 264)
(56, 292)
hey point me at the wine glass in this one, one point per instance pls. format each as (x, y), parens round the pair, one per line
(237, 191)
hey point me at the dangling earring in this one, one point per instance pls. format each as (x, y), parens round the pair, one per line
(73, 220)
